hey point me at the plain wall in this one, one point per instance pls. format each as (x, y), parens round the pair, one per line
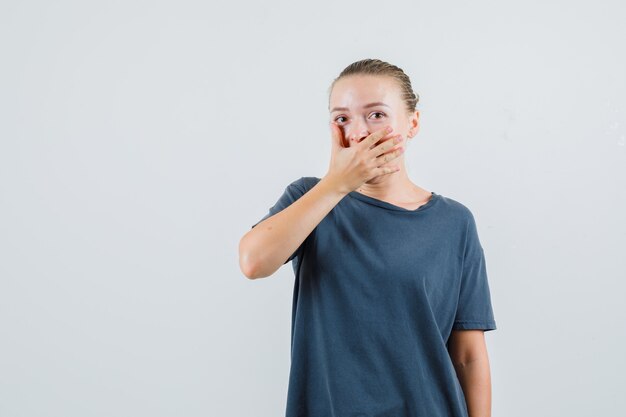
(139, 141)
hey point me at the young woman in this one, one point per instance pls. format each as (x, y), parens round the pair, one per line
(391, 297)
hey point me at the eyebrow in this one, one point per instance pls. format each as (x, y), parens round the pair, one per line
(367, 106)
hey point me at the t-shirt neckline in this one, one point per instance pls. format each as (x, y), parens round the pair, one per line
(389, 206)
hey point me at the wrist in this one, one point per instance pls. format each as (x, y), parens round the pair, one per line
(333, 186)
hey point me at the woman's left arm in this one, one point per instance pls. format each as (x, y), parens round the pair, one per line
(468, 352)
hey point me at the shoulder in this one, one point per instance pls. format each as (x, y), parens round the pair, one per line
(464, 221)
(304, 184)
(456, 210)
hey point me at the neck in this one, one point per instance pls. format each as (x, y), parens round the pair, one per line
(396, 185)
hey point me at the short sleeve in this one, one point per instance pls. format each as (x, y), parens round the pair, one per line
(292, 192)
(474, 309)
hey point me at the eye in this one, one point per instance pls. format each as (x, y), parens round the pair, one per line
(379, 112)
(340, 117)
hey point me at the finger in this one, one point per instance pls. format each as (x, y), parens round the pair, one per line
(336, 136)
(386, 157)
(386, 170)
(386, 145)
(375, 137)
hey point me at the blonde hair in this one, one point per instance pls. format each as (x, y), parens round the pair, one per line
(378, 67)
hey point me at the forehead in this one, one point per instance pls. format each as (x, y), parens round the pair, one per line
(356, 90)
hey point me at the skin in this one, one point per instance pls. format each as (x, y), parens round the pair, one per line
(265, 248)
(467, 348)
(468, 352)
(357, 138)
(355, 122)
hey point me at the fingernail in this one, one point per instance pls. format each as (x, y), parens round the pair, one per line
(389, 128)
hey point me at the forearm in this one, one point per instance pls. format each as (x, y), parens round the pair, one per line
(475, 379)
(265, 248)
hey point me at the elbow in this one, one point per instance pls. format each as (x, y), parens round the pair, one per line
(248, 261)
(246, 269)
(245, 264)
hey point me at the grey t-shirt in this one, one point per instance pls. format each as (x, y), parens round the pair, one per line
(378, 289)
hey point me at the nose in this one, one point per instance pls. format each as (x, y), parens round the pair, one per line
(357, 134)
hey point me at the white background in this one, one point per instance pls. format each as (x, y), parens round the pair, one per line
(140, 140)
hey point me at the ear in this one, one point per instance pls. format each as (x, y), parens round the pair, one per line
(414, 124)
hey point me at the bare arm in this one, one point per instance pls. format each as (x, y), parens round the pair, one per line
(269, 244)
(468, 352)
(264, 249)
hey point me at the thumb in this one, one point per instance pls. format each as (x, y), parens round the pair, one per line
(336, 136)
